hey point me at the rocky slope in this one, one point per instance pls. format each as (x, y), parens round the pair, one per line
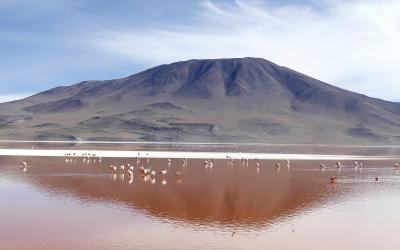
(222, 100)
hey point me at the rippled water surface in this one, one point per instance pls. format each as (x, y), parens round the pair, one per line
(74, 204)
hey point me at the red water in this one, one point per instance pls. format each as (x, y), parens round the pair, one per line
(78, 205)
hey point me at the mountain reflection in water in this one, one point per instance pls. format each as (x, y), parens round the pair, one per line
(202, 207)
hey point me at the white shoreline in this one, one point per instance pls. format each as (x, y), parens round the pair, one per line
(200, 143)
(187, 154)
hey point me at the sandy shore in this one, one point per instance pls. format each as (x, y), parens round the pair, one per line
(183, 154)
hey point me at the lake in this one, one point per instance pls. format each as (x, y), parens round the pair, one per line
(78, 203)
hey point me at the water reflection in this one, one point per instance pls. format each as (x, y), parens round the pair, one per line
(231, 195)
(213, 190)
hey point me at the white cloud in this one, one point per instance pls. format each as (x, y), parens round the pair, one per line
(352, 44)
(9, 98)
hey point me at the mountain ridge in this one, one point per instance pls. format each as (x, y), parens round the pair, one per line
(234, 100)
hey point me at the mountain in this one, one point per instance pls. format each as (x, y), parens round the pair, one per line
(219, 100)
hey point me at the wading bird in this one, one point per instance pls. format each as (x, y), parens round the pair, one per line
(24, 167)
(333, 179)
(144, 170)
(112, 167)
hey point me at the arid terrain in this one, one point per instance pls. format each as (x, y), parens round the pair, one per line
(222, 100)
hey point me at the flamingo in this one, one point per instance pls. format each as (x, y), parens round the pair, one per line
(144, 170)
(137, 158)
(333, 179)
(163, 172)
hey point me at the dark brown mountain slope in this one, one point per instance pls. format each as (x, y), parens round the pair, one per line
(222, 100)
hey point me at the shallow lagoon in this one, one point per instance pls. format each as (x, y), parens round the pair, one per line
(73, 203)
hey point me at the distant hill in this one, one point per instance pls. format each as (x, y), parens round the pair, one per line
(221, 100)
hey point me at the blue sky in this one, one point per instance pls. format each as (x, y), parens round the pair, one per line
(354, 44)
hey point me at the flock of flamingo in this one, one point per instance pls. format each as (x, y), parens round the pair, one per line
(148, 173)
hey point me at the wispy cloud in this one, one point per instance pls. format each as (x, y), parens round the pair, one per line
(352, 44)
